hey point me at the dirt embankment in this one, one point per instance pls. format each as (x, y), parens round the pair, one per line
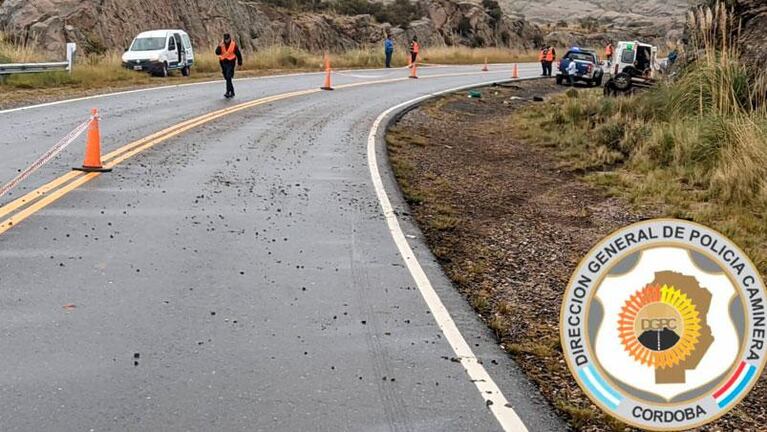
(509, 225)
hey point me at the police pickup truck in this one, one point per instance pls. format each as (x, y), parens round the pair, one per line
(588, 68)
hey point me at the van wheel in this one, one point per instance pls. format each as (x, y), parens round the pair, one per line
(622, 81)
(185, 71)
(598, 82)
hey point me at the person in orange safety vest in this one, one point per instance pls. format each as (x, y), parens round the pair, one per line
(228, 53)
(609, 50)
(414, 47)
(551, 55)
(542, 59)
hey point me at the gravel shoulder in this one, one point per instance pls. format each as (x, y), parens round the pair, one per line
(509, 223)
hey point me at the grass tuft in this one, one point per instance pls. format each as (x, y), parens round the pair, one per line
(105, 70)
(695, 147)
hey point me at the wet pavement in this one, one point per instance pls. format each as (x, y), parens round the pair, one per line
(237, 277)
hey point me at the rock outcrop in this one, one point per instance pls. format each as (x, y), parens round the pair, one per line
(752, 15)
(654, 21)
(99, 25)
(624, 13)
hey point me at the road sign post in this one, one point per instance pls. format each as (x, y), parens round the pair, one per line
(71, 50)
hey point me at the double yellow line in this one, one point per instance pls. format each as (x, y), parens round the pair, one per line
(34, 201)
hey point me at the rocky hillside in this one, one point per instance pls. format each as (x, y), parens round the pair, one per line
(752, 15)
(99, 25)
(594, 21)
(624, 13)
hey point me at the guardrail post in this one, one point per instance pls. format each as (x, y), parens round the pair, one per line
(71, 49)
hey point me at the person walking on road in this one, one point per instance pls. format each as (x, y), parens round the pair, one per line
(388, 49)
(228, 53)
(542, 59)
(414, 48)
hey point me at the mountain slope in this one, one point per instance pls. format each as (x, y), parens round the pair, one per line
(99, 25)
(620, 11)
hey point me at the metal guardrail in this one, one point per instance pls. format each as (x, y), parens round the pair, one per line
(14, 68)
(21, 68)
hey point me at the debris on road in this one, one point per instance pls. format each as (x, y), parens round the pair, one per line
(506, 223)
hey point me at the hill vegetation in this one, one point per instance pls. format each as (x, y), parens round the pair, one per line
(696, 145)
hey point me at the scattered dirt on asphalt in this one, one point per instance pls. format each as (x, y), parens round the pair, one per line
(509, 227)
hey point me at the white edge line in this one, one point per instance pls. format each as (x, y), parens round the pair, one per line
(503, 412)
(145, 89)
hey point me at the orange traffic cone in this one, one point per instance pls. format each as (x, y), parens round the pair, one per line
(515, 72)
(327, 85)
(413, 67)
(485, 69)
(92, 162)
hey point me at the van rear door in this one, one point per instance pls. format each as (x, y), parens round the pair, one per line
(172, 50)
(181, 52)
(188, 49)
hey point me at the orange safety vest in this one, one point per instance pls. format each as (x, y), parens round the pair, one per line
(609, 50)
(414, 47)
(228, 53)
(542, 55)
(550, 55)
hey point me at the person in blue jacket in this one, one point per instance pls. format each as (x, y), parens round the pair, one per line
(388, 50)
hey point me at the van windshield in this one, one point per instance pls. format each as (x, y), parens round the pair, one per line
(148, 44)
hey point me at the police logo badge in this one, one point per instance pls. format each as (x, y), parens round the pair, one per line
(663, 325)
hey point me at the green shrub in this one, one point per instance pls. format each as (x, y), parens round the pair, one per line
(693, 147)
(399, 13)
(611, 135)
(357, 7)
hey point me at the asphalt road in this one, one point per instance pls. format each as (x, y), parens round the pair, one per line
(238, 276)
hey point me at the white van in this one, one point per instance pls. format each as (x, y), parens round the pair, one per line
(640, 56)
(159, 52)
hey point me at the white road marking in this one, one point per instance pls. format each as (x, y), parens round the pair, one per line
(146, 89)
(499, 405)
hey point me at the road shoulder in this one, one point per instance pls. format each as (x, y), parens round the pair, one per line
(521, 393)
(505, 224)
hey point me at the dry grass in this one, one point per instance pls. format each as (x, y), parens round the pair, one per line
(696, 147)
(465, 55)
(105, 71)
(18, 53)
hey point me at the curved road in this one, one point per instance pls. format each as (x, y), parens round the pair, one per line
(239, 273)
